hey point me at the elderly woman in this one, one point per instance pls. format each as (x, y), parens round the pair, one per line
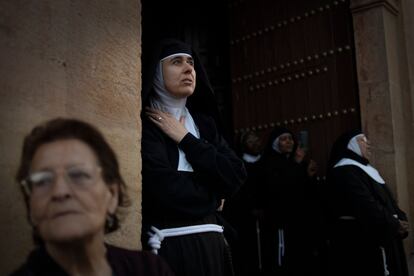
(72, 188)
(187, 165)
(367, 226)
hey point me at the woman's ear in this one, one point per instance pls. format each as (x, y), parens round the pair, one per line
(114, 197)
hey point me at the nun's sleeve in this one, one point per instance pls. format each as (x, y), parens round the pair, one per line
(164, 187)
(211, 156)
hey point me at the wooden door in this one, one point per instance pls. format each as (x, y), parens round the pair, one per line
(293, 65)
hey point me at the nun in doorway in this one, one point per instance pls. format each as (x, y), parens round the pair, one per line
(366, 225)
(188, 167)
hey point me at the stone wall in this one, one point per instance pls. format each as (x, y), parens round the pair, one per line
(383, 35)
(407, 20)
(69, 58)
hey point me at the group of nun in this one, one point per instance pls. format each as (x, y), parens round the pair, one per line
(189, 172)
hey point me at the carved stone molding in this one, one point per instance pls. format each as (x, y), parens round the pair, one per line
(392, 6)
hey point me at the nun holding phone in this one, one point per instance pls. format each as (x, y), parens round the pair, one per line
(291, 216)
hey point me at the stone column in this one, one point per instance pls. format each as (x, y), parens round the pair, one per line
(407, 9)
(69, 58)
(384, 89)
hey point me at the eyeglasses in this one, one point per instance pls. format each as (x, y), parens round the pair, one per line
(41, 182)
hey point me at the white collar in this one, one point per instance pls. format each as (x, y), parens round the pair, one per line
(368, 169)
(251, 158)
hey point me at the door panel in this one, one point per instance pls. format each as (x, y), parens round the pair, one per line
(293, 64)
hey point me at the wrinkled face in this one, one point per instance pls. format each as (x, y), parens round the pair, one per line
(286, 143)
(364, 145)
(69, 199)
(179, 76)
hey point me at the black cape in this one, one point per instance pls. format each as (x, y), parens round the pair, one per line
(122, 261)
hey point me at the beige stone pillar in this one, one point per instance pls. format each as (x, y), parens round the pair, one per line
(70, 58)
(385, 92)
(407, 9)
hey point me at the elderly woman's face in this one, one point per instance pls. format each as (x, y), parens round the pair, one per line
(69, 199)
(364, 145)
(179, 76)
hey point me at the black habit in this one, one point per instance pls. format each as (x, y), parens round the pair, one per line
(243, 212)
(291, 214)
(365, 233)
(356, 244)
(172, 198)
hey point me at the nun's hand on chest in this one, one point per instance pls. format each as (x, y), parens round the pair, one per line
(167, 123)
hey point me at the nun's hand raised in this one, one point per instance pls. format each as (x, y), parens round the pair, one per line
(168, 124)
